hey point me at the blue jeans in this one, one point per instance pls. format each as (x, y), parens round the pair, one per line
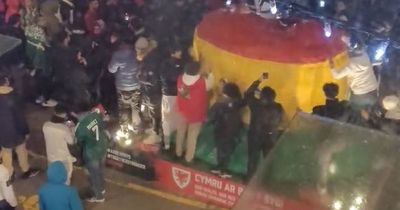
(96, 177)
(364, 101)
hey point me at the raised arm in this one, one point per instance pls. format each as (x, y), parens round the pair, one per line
(340, 73)
(249, 94)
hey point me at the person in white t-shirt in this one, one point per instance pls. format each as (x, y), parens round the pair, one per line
(58, 134)
(8, 200)
(360, 78)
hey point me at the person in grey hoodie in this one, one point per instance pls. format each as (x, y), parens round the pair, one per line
(125, 67)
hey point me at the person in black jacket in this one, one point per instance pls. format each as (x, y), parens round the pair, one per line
(266, 116)
(170, 71)
(226, 116)
(149, 57)
(333, 108)
(13, 29)
(14, 130)
(15, 59)
(70, 77)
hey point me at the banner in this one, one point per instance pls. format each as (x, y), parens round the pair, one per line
(133, 162)
(198, 185)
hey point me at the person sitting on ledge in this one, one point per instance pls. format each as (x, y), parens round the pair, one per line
(333, 108)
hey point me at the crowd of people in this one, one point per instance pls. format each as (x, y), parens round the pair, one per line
(74, 55)
(133, 61)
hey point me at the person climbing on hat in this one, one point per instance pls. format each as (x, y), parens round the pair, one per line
(226, 117)
(359, 74)
(192, 102)
(266, 116)
(150, 58)
(170, 71)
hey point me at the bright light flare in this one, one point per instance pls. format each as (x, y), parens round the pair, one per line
(353, 208)
(128, 142)
(337, 205)
(126, 17)
(332, 168)
(274, 9)
(381, 50)
(322, 3)
(121, 135)
(327, 29)
(359, 200)
(142, 108)
(228, 2)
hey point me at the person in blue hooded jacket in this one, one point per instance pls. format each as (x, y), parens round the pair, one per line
(55, 194)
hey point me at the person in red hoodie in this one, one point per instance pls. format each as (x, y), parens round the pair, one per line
(13, 7)
(2, 11)
(92, 16)
(192, 106)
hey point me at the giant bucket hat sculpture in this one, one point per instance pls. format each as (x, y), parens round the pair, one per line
(240, 47)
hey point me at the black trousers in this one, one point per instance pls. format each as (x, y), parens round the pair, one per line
(225, 148)
(44, 82)
(4, 205)
(258, 143)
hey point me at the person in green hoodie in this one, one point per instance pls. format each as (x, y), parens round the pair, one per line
(55, 194)
(93, 138)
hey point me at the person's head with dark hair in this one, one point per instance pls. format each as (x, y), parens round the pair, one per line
(231, 90)
(267, 95)
(59, 115)
(125, 41)
(176, 51)
(62, 38)
(331, 90)
(99, 28)
(355, 43)
(14, 20)
(93, 5)
(192, 68)
(82, 107)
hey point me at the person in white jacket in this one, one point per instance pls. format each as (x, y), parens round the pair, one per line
(58, 134)
(360, 78)
(8, 201)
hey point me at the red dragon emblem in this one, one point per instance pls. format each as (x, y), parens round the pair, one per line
(181, 177)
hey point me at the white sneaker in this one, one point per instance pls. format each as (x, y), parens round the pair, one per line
(226, 176)
(216, 171)
(95, 200)
(33, 73)
(50, 103)
(39, 100)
